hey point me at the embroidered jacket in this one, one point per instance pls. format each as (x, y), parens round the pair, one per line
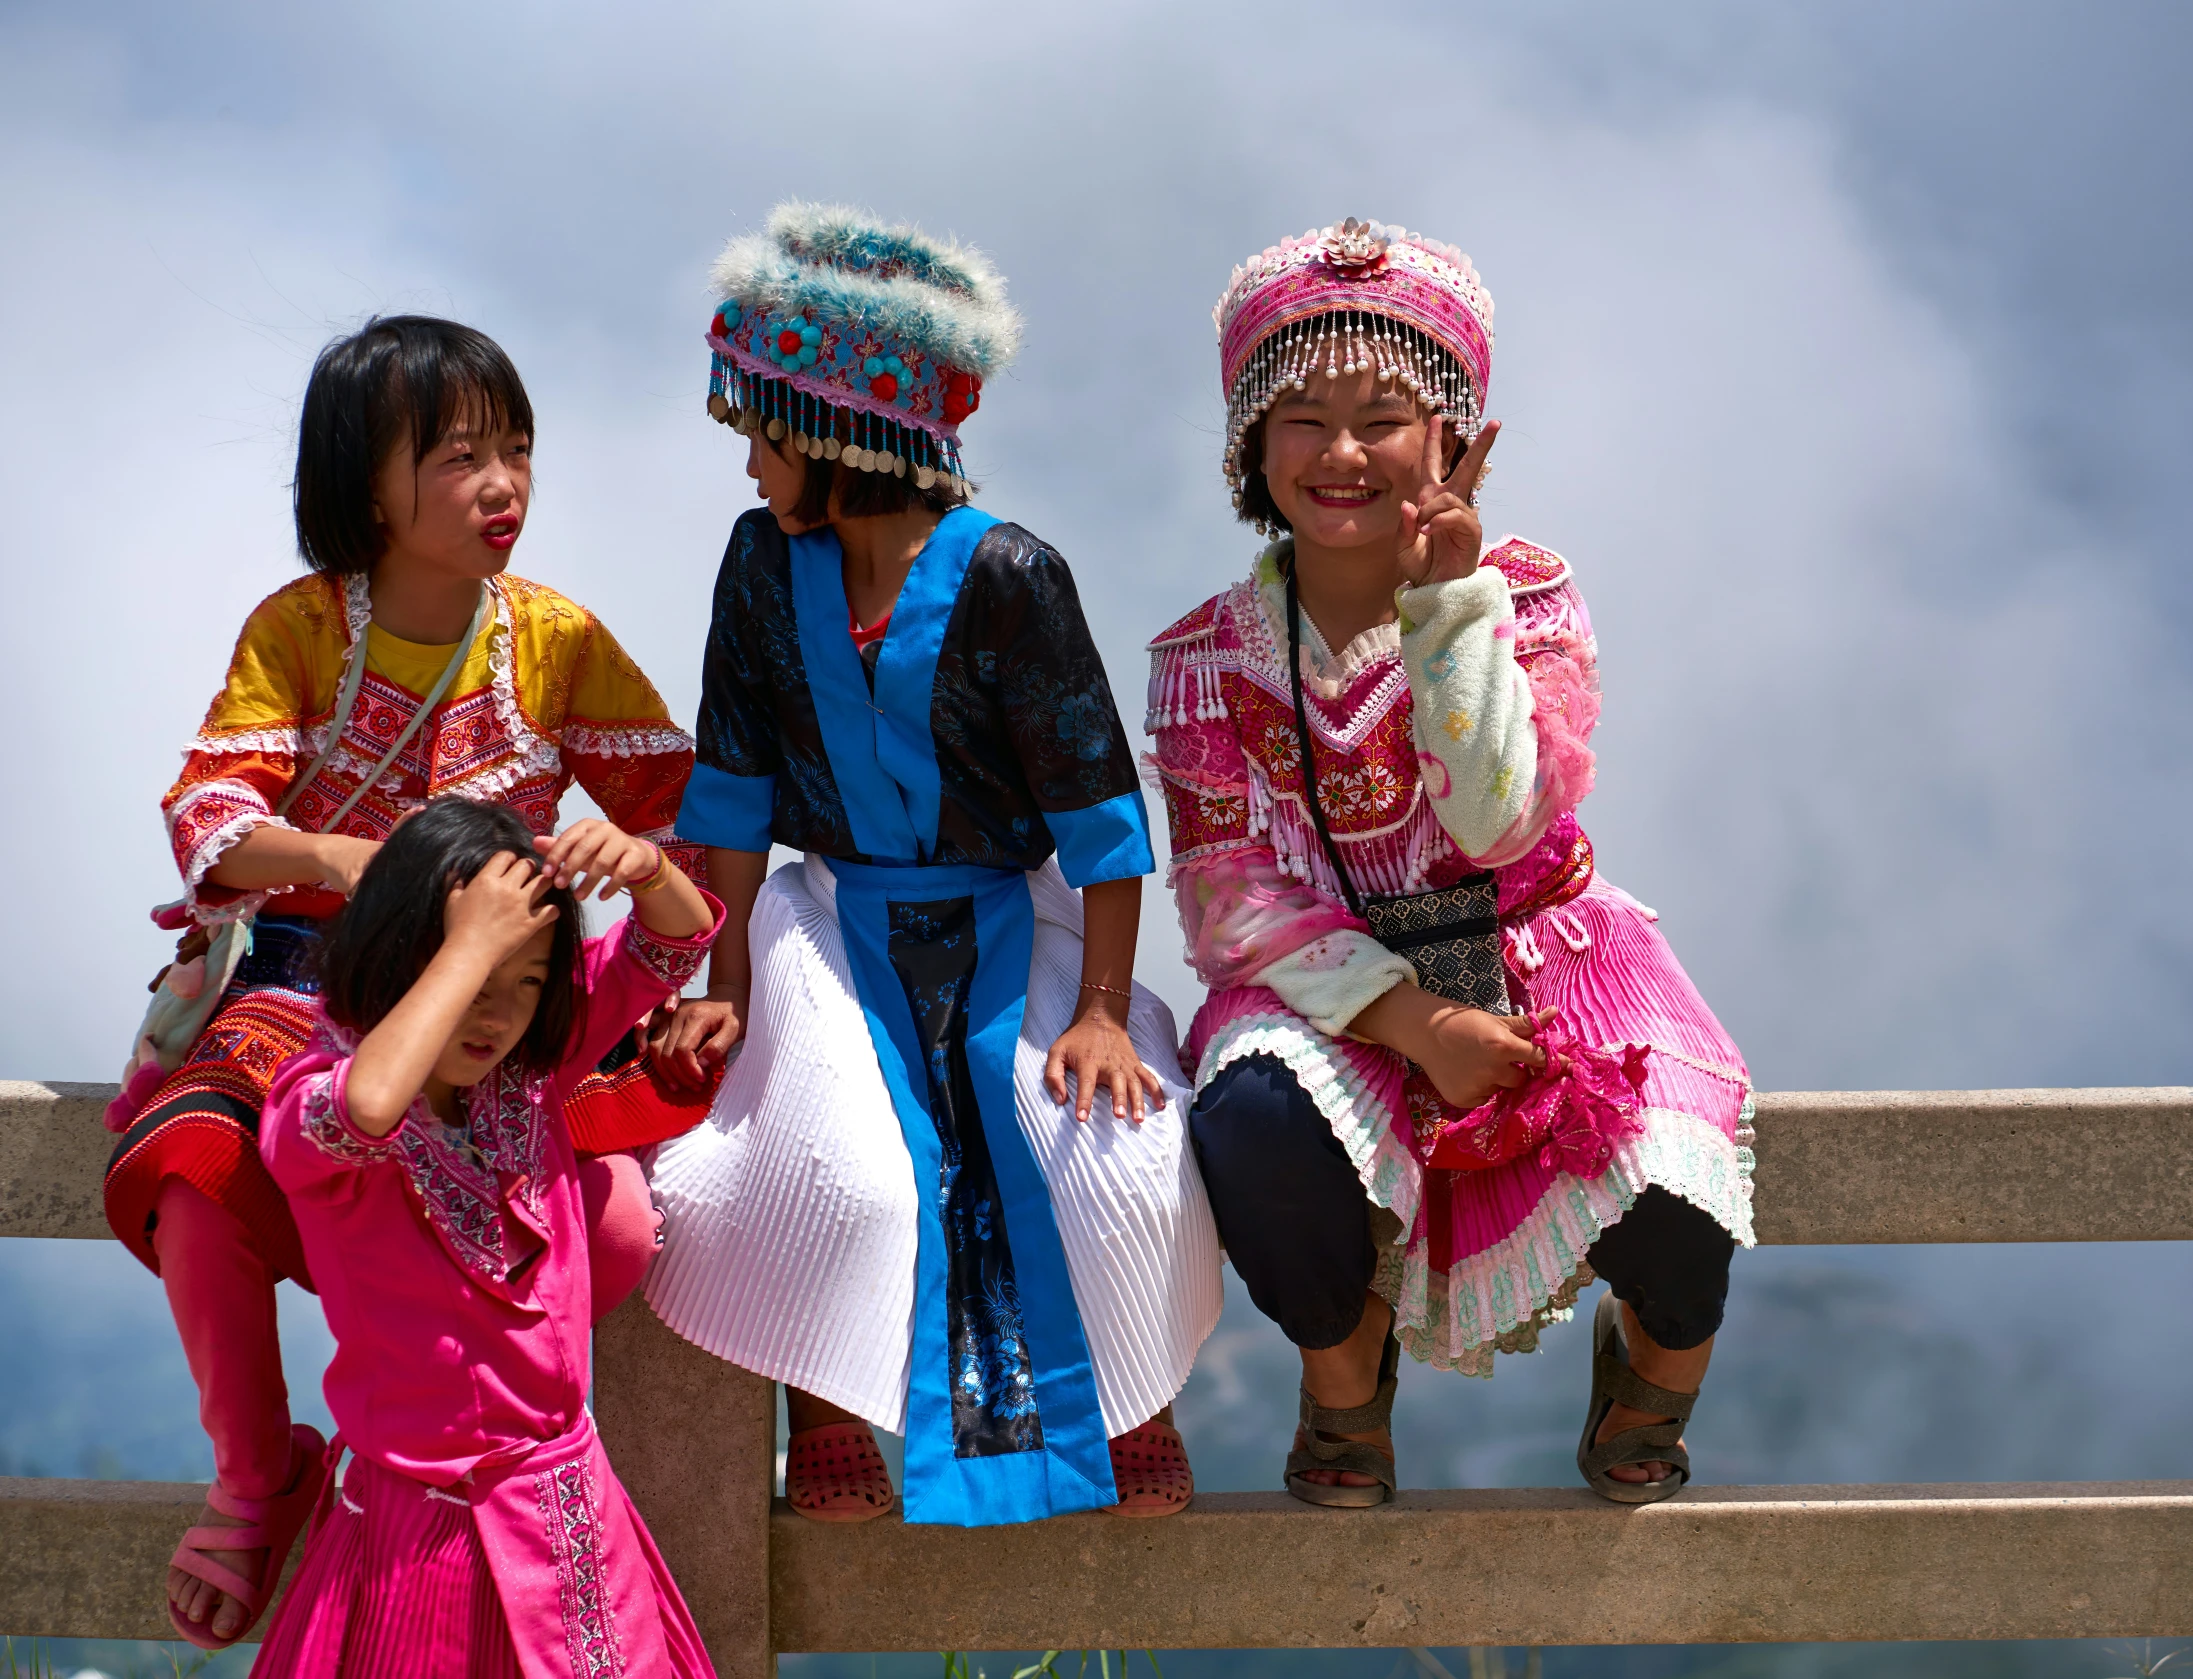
(1028, 752)
(1451, 741)
(452, 1264)
(545, 697)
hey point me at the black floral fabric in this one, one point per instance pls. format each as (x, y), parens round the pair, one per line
(1022, 714)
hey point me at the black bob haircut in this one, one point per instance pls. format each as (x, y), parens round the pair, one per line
(392, 926)
(396, 375)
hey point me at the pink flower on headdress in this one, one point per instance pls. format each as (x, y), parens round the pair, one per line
(1355, 247)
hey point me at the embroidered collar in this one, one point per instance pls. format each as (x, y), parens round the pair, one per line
(463, 1176)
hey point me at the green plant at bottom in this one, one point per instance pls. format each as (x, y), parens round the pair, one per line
(2145, 1663)
(957, 1665)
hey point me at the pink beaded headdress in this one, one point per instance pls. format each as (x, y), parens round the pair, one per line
(1357, 295)
(864, 342)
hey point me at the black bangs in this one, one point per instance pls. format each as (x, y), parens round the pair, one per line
(392, 926)
(396, 374)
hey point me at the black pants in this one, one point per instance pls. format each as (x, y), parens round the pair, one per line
(1297, 1226)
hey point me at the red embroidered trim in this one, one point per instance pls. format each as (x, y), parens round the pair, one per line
(1561, 885)
(325, 1130)
(1198, 622)
(459, 1178)
(1527, 567)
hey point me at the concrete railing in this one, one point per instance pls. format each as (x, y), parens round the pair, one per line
(694, 1440)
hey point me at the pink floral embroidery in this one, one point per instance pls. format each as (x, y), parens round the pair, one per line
(673, 961)
(459, 1176)
(324, 1128)
(571, 1508)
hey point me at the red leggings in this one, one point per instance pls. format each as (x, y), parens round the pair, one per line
(221, 1291)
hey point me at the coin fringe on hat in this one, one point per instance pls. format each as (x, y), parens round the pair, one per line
(861, 340)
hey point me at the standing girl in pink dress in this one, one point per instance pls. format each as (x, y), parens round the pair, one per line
(421, 1140)
(1447, 1073)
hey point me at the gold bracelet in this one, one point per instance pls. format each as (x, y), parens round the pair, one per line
(658, 878)
(1113, 990)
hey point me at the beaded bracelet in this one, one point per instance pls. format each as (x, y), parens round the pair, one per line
(657, 878)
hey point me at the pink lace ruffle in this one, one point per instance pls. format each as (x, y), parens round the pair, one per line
(1571, 1116)
(1564, 710)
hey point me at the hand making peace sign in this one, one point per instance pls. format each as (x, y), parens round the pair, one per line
(1441, 537)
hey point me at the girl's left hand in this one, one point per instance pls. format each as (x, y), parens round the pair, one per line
(1441, 535)
(1097, 1051)
(593, 853)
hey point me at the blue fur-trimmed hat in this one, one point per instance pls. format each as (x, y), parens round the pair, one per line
(864, 342)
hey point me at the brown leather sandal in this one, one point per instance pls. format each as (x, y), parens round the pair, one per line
(1150, 1469)
(833, 1473)
(1612, 1382)
(1353, 1457)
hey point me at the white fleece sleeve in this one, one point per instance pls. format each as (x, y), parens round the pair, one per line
(1334, 978)
(1479, 752)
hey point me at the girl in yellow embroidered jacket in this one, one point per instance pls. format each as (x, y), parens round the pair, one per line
(407, 667)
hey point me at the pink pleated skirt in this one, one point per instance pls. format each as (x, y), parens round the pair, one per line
(397, 1583)
(1487, 1257)
(394, 1582)
(1602, 963)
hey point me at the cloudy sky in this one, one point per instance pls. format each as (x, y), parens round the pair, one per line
(1844, 349)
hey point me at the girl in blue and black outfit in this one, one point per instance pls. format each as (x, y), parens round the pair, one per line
(947, 1188)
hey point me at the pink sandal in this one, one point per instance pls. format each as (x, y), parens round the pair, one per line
(269, 1523)
(835, 1474)
(1150, 1468)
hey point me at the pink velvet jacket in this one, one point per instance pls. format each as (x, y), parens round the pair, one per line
(452, 1264)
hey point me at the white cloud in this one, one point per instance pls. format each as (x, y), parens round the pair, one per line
(1852, 747)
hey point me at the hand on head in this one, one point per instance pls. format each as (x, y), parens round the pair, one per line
(1441, 535)
(598, 857)
(499, 909)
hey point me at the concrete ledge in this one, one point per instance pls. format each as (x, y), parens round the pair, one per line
(1720, 1565)
(53, 1156)
(1834, 1166)
(89, 1559)
(85, 1559)
(1975, 1166)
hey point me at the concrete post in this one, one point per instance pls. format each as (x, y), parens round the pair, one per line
(695, 1441)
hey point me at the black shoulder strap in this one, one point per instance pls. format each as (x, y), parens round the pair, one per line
(1309, 750)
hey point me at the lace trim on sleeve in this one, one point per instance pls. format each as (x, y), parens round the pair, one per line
(625, 740)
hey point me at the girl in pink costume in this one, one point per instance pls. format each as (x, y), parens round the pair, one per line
(1387, 1167)
(421, 1140)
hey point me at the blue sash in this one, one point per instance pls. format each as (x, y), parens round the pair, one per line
(1002, 1420)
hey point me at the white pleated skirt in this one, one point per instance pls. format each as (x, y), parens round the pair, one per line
(789, 1216)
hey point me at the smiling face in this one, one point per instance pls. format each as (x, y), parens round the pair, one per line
(1341, 456)
(496, 1022)
(459, 509)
